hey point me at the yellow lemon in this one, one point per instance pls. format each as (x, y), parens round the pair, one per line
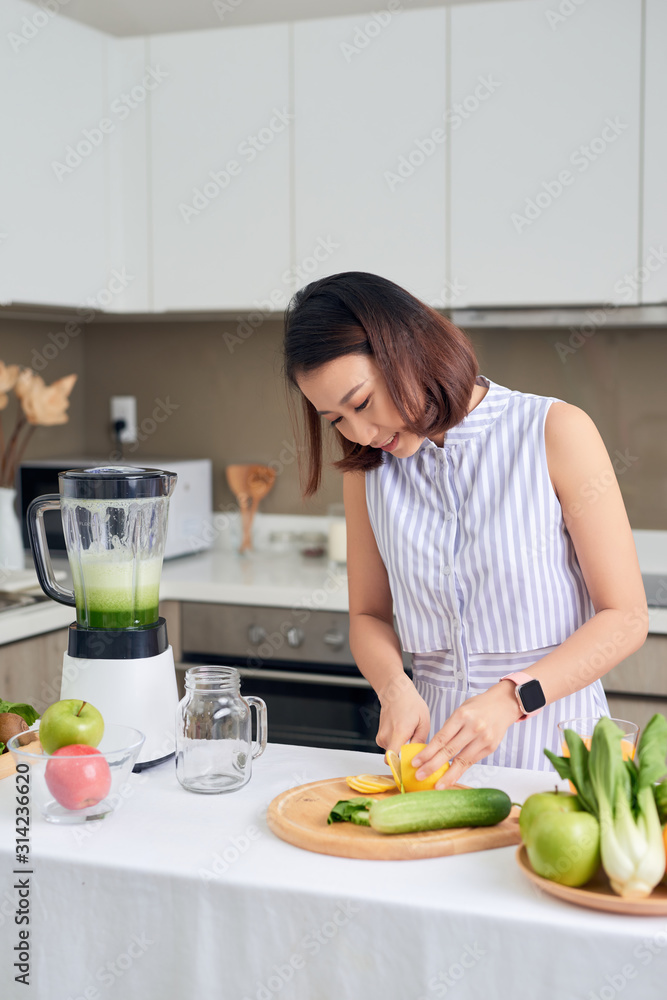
(408, 772)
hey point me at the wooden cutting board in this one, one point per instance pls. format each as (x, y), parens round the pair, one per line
(299, 816)
(8, 762)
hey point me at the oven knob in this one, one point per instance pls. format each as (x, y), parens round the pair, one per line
(334, 638)
(256, 634)
(294, 637)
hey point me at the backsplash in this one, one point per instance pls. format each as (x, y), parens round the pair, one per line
(214, 389)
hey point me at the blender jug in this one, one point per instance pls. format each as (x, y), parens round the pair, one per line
(115, 527)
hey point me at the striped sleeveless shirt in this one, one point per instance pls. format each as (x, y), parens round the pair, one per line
(482, 571)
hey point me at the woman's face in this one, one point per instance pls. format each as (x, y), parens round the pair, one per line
(351, 394)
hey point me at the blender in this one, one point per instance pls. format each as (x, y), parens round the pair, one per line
(118, 656)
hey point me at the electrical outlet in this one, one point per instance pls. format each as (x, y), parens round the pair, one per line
(125, 408)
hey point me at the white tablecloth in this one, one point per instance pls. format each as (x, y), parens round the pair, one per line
(178, 896)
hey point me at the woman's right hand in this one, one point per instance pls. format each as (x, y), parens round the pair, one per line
(404, 715)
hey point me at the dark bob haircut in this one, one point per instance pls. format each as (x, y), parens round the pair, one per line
(427, 363)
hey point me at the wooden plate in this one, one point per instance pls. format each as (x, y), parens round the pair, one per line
(598, 894)
(299, 816)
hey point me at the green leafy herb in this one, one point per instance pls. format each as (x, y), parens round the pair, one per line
(27, 712)
(660, 796)
(351, 811)
(576, 769)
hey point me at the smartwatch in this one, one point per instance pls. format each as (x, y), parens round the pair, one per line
(528, 692)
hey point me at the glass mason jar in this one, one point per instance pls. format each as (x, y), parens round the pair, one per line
(214, 746)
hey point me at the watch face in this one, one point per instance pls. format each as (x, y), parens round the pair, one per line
(532, 696)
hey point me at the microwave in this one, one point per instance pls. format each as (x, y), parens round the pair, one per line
(190, 506)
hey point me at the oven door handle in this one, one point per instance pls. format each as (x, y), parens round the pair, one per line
(294, 677)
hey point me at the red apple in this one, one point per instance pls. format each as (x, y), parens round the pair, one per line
(79, 778)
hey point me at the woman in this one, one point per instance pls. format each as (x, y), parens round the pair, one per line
(490, 519)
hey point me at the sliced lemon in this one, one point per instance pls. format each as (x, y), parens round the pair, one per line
(370, 784)
(408, 772)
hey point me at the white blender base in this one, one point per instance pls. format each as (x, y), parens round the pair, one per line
(140, 693)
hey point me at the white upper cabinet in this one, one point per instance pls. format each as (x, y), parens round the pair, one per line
(131, 81)
(370, 156)
(652, 276)
(55, 126)
(545, 171)
(220, 125)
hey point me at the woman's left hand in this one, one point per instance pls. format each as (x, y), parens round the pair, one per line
(471, 733)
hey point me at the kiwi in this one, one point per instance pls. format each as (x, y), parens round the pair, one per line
(10, 725)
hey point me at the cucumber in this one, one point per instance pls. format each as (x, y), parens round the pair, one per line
(433, 810)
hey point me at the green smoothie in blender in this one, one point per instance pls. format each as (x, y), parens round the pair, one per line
(116, 594)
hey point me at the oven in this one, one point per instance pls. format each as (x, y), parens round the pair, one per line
(298, 660)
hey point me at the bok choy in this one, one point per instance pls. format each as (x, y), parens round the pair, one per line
(620, 794)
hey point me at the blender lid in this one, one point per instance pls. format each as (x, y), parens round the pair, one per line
(116, 482)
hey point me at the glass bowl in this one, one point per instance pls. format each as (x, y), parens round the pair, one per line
(74, 789)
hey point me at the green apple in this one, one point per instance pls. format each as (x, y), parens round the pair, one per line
(541, 802)
(565, 846)
(70, 721)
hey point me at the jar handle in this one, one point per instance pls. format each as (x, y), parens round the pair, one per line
(262, 728)
(40, 548)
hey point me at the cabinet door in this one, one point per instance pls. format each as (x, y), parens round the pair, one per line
(220, 127)
(52, 158)
(370, 151)
(653, 278)
(545, 171)
(131, 82)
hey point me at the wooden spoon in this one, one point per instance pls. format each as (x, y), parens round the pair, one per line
(260, 482)
(249, 484)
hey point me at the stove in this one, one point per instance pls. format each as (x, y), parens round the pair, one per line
(298, 660)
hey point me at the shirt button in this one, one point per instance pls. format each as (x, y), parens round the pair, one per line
(459, 674)
(448, 515)
(446, 570)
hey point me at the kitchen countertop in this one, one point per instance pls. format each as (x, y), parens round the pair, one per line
(269, 579)
(181, 895)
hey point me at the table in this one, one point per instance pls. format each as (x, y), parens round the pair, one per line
(180, 896)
